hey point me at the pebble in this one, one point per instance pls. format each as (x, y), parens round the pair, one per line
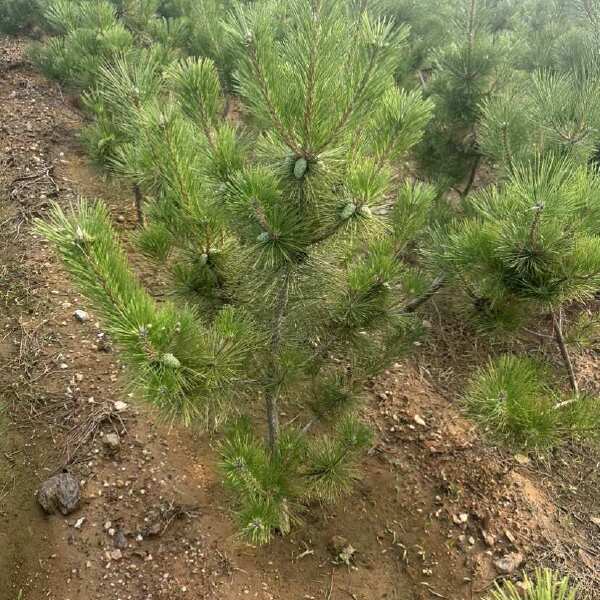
(111, 442)
(81, 315)
(420, 421)
(509, 563)
(115, 554)
(120, 406)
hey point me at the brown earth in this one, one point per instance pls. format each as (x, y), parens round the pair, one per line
(437, 503)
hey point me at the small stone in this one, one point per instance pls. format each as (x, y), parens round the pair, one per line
(341, 549)
(509, 563)
(489, 539)
(120, 406)
(509, 536)
(115, 554)
(120, 218)
(59, 493)
(420, 421)
(81, 315)
(461, 518)
(103, 342)
(119, 540)
(111, 442)
(79, 523)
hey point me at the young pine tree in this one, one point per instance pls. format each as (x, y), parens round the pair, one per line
(87, 34)
(286, 240)
(531, 246)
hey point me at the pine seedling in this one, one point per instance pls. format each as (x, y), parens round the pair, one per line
(280, 234)
(546, 585)
(88, 35)
(513, 399)
(531, 246)
(122, 91)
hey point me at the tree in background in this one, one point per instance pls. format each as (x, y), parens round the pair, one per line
(287, 243)
(546, 114)
(470, 67)
(88, 35)
(531, 246)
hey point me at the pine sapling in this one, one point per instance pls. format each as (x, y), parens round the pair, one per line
(281, 237)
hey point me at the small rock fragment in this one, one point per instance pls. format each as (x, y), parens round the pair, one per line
(509, 563)
(111, 442)
(419, 420)
(461, 518)
(119, 540)
(81, 315)
(103, 342)
(79, 523)
(341, 549)
(521, 459)
(488, 538)
(115, 554)
(120, 406)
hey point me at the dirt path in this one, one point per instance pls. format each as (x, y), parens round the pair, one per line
(433, 511)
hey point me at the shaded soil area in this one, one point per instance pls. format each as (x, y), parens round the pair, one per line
(437, 510)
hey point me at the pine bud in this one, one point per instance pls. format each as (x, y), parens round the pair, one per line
(169, 360)
(263, 237)
(348, 210)
(203, 258)
(300, 167)
(365, 210)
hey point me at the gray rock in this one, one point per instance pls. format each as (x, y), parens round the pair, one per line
(81, 316)
(119, 540)
(112, 442)
(60, 493)
(509, 563)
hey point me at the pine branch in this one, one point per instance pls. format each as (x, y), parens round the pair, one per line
(437, 284)
(311, 73)
(266, 95)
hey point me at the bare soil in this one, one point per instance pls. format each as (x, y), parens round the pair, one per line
(437, 504)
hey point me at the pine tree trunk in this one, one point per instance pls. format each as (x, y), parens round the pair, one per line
(472, 174)
(272, 391)
(139, 204)
(560, 340)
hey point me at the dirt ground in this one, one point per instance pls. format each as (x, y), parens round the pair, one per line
(437, 510)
